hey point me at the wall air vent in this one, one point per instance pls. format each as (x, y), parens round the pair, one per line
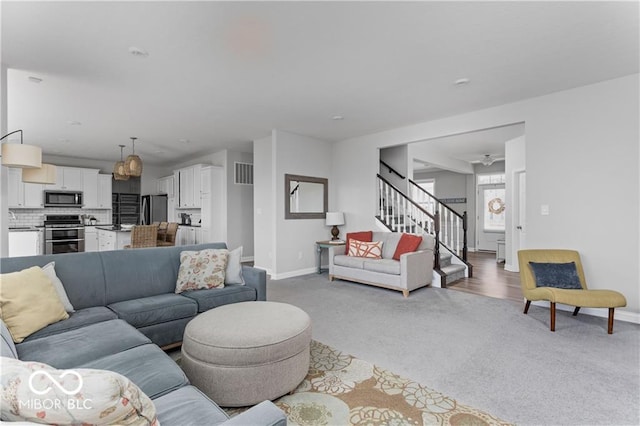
(243, 173)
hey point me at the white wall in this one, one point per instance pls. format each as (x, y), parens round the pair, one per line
(398, 158)
(515, 162)
(4, 209)
(293, 249)
(581, 160)
(264, 224)
(239, 207)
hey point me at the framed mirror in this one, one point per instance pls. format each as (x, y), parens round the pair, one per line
(306, 197)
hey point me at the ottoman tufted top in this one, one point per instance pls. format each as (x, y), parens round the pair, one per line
(247, 333)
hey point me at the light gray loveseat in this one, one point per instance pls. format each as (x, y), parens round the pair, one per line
(125, 308)
(412, 271)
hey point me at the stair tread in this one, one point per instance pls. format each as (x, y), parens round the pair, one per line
(451, 269)
(444, 255)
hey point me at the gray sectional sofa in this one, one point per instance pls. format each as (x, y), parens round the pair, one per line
(126, 309)
(412, 271)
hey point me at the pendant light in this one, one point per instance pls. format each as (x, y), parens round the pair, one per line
(45, 175)
(118, 168)
(20, 155)
(133, 164)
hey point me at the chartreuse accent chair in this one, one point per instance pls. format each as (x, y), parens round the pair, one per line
(582, 297)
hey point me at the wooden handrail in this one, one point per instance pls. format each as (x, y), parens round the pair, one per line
(436, 199)
(391, 170)
(408, 199)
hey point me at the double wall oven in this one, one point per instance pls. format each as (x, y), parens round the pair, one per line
(63, 234)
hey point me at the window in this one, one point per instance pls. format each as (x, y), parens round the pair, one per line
(490, 178)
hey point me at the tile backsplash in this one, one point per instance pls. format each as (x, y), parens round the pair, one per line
(35, 217)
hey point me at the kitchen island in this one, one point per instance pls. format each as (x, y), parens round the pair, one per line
(112, 238)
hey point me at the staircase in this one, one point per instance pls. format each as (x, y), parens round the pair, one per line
(425, 213)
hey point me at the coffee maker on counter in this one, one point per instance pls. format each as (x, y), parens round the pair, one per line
(186, 218)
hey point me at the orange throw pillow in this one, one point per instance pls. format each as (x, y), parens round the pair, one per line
(365, 236)
(408, 243)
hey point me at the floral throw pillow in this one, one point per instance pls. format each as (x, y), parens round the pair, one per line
(38, 393)
(202, 269)
(371, 250)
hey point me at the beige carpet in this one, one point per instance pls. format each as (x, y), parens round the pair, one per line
(343, 390)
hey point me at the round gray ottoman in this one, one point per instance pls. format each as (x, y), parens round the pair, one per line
(243, 353)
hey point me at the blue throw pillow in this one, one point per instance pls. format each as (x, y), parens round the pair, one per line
(558, 275)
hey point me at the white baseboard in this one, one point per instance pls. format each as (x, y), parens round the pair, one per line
(511, 268)
(246, 259)
(292, 274)
(620, 315)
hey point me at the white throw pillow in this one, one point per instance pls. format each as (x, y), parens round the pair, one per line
(233, 274)
(39, 393)
(50, 271)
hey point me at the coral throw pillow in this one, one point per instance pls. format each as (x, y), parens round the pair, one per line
(38, 393)
(408, 244)
(372, 250)
(202, 269)
(366, 236)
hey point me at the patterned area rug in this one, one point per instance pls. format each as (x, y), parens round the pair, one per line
(343, 390)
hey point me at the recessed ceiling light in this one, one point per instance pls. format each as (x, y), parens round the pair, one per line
(159, 152)
(34, 79)
(461, 81)
(337, 117)
(140, 53)
(74, 123)
(184, 141)
(63, 140)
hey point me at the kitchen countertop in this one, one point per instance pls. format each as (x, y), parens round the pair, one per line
(112, 228)
(25, 229)
(197, 225)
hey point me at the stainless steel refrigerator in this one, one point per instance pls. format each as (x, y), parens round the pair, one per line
(154, 209)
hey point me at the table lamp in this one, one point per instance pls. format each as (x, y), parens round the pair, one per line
(334, 219)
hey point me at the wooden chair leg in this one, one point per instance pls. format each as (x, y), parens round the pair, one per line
(553, 316)
(610, 325)
(526, 306)
(576, 310)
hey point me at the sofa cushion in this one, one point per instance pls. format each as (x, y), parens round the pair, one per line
(408, 243)
(155, 309)
(79, 346)
(232, 293)
(7, 347)
(90, 396)
(386, 266)
(142, 365)
(29, 302)
(360, 236)
(188, 406)
(348, 261)
(79, 318)
(391, 240)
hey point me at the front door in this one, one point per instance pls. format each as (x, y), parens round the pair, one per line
(491, 216)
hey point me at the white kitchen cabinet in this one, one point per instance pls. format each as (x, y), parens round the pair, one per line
(90, 188)
(189, 187)
(106, 240)
(68, 179)
(24, 243)
(186, 235)
(23, 195)
(91, 238)
(104, 191)
(165, 185)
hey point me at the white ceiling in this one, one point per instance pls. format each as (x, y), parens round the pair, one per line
(221, 74)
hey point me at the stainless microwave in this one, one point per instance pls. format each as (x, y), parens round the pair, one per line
(62, 198)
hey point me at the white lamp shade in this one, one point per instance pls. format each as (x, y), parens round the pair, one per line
(45, 175)
(334, 218)
(21, 155)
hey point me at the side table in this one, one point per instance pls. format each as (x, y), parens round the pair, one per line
(325, 245)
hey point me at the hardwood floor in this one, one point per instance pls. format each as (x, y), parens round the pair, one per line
(490, 279)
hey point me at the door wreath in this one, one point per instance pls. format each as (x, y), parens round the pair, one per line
(496, 206)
